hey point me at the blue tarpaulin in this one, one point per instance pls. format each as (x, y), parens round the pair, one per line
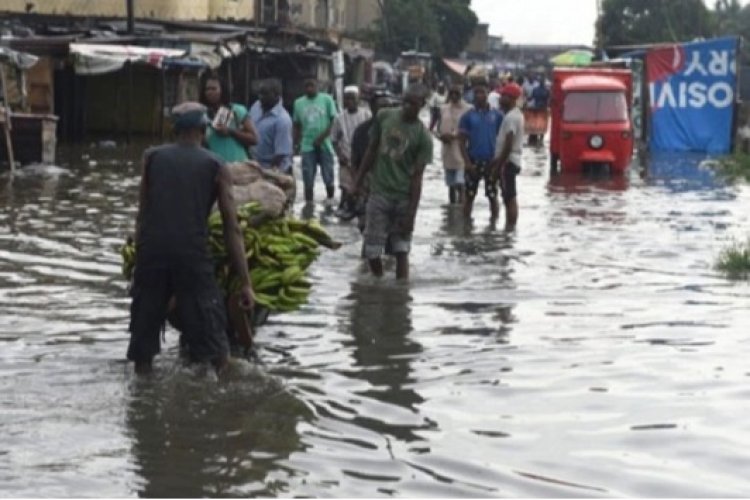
(693, 91)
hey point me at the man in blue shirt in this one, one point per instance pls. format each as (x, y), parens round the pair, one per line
(274, 127)
(479, 128)
(540, 96)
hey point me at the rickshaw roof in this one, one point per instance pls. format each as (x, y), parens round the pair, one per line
(585, 83)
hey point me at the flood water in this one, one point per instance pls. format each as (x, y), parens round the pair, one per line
(594, 352)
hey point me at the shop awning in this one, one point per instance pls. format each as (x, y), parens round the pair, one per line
(206, 53)
(455, 66)
(19, 60)
(98, 59)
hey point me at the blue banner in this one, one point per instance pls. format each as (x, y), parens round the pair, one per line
(693, 89)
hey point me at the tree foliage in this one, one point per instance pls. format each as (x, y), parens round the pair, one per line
(456, 22)
(731, 18)
(630, 22)
(442, 27)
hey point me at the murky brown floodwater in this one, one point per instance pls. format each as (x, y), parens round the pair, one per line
(593, 353)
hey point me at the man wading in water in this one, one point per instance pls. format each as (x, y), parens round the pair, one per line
(400, 149)
(179, 185)
(360, 141)
(452, 151)
(313, 118)
(509, 148)
(479, 127)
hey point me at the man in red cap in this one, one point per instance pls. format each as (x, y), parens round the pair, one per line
(509, 151)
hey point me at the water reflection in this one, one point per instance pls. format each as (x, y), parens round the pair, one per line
(594, 196)
(513, 365)
(573, 184)
(681, 172)
(383, 350)
(192, 437)
(493, 320)
(490, 257)
(454, 222)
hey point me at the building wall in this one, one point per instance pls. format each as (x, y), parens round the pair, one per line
(301, 12)
(339, 9)
(320, 14)
(232, 9)
(361, 14)
(159, 9)
(496, 43)
(479, 43)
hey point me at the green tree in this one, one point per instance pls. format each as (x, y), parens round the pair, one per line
(457, 23)
(631, 22)
(442, 27)
(727, 16)
(732, 19)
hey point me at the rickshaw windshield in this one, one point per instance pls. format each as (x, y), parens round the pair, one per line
(595, 107)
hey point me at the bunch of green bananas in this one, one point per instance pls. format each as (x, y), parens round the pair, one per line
(278, 251)
(128, 258)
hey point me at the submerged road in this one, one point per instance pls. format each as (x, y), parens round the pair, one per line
(594, 352)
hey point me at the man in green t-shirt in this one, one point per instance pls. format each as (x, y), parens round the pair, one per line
(400, 149)
(313, 118)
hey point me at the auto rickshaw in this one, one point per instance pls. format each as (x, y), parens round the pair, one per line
(591, 119)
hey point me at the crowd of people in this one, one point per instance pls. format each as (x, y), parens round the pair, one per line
(481, 127)
(466, 119)
(382, 153)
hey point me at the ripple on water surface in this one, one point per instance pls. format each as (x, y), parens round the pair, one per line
(592, 353)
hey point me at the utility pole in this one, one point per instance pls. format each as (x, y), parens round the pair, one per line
(131, 13)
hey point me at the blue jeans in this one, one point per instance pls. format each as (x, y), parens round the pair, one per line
(310, 162)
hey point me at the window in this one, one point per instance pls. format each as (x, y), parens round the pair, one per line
(595, 107)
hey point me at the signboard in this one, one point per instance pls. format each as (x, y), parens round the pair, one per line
(692, 90)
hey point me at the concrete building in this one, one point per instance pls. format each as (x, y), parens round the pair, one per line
(333, 16)
(323, 15)
(176, 10)
(326, 15)
(361, 15)
(479, 43)
(496, 44)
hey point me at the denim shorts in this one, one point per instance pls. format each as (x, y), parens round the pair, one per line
(454, 178)
(383, 218)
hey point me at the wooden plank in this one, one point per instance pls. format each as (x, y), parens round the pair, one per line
(40, 83)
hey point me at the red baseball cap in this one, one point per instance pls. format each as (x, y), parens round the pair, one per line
(512, 90)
